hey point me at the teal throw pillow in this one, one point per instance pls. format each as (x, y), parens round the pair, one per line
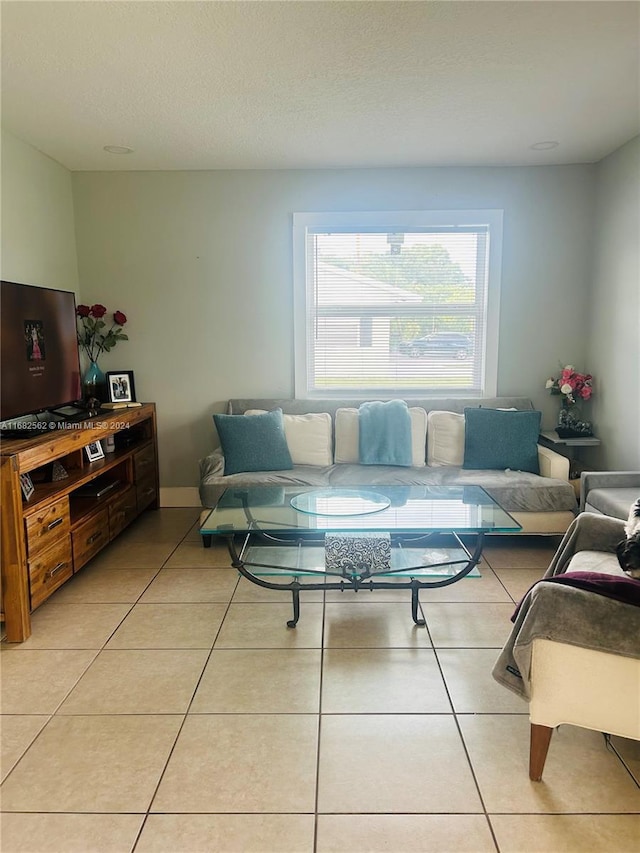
(497, 440)
(253, 442)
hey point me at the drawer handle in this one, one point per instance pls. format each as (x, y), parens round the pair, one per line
(55, 523)
(54, 571)
(94, 537)
(149, 491)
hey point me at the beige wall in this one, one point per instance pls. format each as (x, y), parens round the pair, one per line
(202, 264)
(201, 261)
(38, 237)
(613, 347)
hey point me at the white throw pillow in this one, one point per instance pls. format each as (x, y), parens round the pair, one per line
(308, 437)
(348, 436)
(445, 445)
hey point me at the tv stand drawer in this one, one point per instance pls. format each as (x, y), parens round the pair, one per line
(49, 570)
(47, 526)
(89, 537)
(122, 511)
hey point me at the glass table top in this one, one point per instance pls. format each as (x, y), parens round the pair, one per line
(340, 502)
(391, 509)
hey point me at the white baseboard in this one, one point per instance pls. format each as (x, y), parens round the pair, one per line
(179, 496)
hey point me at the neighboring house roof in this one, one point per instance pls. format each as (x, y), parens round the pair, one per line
(337, 286)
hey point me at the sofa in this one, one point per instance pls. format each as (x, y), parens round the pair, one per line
(609, 492)
(322, 435)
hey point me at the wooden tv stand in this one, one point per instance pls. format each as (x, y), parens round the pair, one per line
(65, 522)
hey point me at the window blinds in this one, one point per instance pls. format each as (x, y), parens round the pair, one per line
(391, 310)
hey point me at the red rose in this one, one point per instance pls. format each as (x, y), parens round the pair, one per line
(119, 318)
(98, 311)
(83, 310)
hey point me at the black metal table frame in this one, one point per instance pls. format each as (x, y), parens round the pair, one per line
(362, 580)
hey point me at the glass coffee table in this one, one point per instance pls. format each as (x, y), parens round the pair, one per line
(370, 537)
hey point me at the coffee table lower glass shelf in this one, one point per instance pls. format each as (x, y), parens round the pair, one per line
(276, 536)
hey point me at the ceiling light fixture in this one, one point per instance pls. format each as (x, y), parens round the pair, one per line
(118, 149)
(544, 146)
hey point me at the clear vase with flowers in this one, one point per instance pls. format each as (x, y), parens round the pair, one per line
(572, 387)
(95, 338)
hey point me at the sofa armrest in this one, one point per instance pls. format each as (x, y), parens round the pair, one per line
(552, 464)
(606, 480)
(587, 532)
(212, 465)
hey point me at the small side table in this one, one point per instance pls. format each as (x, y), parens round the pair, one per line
(550, 438)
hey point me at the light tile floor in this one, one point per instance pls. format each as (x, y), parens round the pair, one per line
(163, 705)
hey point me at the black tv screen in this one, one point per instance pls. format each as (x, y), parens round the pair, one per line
(39, 359)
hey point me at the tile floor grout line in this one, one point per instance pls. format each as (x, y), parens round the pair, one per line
(464, 745)
(499, 579)
(55, 713)
(317, 786)
(435, 655)
(28, 747)
(98, 651)
(476, 783)
(181, 727)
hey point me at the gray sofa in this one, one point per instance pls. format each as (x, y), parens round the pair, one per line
(542, 504)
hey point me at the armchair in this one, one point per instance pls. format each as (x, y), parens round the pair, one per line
(609, 492)
(574, 654)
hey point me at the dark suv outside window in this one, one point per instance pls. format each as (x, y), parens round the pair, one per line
(452, 344)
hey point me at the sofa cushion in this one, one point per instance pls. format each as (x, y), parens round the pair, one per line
(348, 436)
(257, 443)
(497, 440)
(445, 439)
(595, 561)
(612, 501)
(213, 484)
(515, 491)
(309, 437)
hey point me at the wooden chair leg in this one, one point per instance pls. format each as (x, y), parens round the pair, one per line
(539, 746)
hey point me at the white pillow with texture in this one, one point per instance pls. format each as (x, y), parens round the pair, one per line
(446, 439)
(348, 436)
(308, 437)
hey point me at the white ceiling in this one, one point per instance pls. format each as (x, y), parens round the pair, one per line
(296, 84)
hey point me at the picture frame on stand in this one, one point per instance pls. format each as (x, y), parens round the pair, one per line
(94, 451)
(120, 386)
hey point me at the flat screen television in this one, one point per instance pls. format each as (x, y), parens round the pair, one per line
(39, 358)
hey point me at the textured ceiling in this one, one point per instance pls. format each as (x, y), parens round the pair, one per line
(251, 85)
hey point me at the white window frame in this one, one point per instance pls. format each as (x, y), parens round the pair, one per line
(397, 220)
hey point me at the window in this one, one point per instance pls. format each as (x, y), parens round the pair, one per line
(397, 303)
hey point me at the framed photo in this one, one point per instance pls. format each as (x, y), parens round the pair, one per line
(120, 387)
(26, 485)
(94, 451)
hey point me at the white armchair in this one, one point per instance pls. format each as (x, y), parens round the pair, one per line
(575, 654)
(602, 693)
